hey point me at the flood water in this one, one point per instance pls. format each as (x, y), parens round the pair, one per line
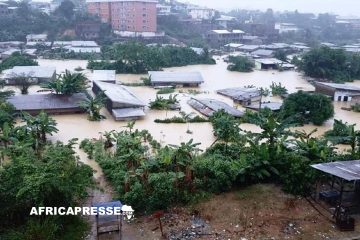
(215, 77)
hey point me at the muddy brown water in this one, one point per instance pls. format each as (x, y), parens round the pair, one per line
(215, 77)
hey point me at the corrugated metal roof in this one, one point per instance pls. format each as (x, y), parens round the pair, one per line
(127, 113)
(269, 61)
(348, 170)
(46, 101)
(273, 106)
(263, 52)
(240, 94)
(119, 94)
(209, 106)
(31, 71)
(158, 77)
(339, 86)
(103, 75)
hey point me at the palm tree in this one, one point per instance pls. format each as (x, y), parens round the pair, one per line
(5, 94)
(39, 126)
(93, 105)
(68, 83)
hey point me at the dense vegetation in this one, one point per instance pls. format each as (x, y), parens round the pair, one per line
(93, 105)
(161, 103)
(278, 89)
(150, 176)
(68, 83)
(17, 59)
(138, 58)
(29, 20)
(332, 64)
(307, 107)
(35, 172)
(240, 64)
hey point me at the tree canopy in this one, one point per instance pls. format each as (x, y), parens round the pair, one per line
(240, 64)
(308, 107)
(333, 64)
(17, 59)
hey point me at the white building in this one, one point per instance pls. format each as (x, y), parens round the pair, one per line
(163, 9)
(201, 13)
(36, 38)
(286, 27)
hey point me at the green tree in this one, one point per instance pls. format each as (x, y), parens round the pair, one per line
(17, 59)
(307, 107)
(68, 83)
(93, 106)
(240, 64)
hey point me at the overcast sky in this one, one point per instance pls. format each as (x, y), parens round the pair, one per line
(343, 7)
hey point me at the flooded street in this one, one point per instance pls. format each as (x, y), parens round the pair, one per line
(215, 76)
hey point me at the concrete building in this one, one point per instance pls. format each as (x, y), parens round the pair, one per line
(88, 30)
(262, 53)
(38, 38)
(217, 38)
(185, 79)
(126, 15)
(225, 21)
(243, 96)
(163, 10)
(4, 9)
(201, 13)
(338, 92)
(286, 27)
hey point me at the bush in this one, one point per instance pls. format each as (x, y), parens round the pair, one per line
(215, 174)
(307, 107)
(240, 64)
(299, 177)
(166, 91)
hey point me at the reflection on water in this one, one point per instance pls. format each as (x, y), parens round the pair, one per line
(215, 76)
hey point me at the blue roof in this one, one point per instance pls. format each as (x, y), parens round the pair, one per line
(107, 218)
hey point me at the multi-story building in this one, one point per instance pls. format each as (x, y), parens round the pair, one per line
(4, 9)
(137, 16)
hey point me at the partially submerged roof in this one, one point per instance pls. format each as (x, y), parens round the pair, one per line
(103, 75)
(263, 53)
(128, 113)
(273, 106)
(240, 94)
(158, 77)
(38, 102)
(249, 47)
(339, 86)
(209, 106)
(119, 94)
(269, 61)
(29, 71)
(347, 170)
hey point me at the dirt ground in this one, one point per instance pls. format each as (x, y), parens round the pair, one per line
(257, 212)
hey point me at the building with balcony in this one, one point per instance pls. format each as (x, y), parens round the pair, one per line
(135, 16)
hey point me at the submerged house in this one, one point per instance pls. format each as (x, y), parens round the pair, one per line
(49, 103)
(38, 74)
(267, 63)
(273, 106)
(209, 106)
(338, 92)
(243, 96)
(185, 79)
(120, 102)
(108, 76)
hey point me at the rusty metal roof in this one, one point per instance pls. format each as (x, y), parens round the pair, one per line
(347, 170)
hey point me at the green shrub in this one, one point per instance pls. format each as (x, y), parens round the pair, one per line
(166, 91)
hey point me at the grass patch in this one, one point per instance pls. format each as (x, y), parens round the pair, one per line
(166, 91)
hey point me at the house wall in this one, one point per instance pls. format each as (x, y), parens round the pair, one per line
(355, 100)
(326, 90)
(133, 16)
